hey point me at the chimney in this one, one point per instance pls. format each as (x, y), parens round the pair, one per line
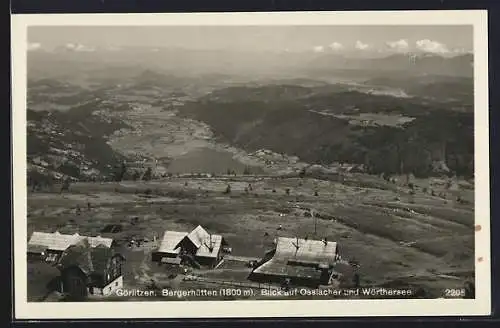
(211, 245)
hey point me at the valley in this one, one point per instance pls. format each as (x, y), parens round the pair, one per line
(374, 164)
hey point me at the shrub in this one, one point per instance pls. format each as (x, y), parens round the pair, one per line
(148, 174)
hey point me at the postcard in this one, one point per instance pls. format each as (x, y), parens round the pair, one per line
(216, 165)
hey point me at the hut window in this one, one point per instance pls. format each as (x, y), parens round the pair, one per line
(51, 257)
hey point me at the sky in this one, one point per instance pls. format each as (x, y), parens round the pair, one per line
(437, 39)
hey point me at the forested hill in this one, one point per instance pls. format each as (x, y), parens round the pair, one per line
(71, 143)
(326, 128)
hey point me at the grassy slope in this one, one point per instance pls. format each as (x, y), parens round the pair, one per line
(349, 214)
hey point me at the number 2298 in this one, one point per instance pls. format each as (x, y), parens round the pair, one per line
(458, 292)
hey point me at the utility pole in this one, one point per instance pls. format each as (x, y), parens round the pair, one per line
(315, 222)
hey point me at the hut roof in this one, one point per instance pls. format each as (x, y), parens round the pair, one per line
(91, 260)
(207, 245)
(36, 249)
(303, 261)
(54, 241)
(210, 246)
(98, 241)
(170, 242)
(198, 236)
(59, 242)
(308, 251)
(279, 268)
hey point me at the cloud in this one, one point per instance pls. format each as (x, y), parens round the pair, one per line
(462, 51)
(336, 46)
(319, 49)
(427, 45)
(34, 46)
(360, 45)
(399, 46)
(78, 47)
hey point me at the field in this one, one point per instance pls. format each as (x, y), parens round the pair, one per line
(399, 238)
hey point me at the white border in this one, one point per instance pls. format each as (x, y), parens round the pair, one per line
(212, 309)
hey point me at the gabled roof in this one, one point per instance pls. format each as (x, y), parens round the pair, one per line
(303, 261)
(91, 260)
(169, 243)
(207, 245)
(59, 242)
(198, 236)
(210, 246)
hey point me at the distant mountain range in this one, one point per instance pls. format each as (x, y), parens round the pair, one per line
(228, 61)
(460, 65)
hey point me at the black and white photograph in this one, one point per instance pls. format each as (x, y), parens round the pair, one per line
(199, 159)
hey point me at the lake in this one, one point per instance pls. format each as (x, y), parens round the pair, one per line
(206, 160)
